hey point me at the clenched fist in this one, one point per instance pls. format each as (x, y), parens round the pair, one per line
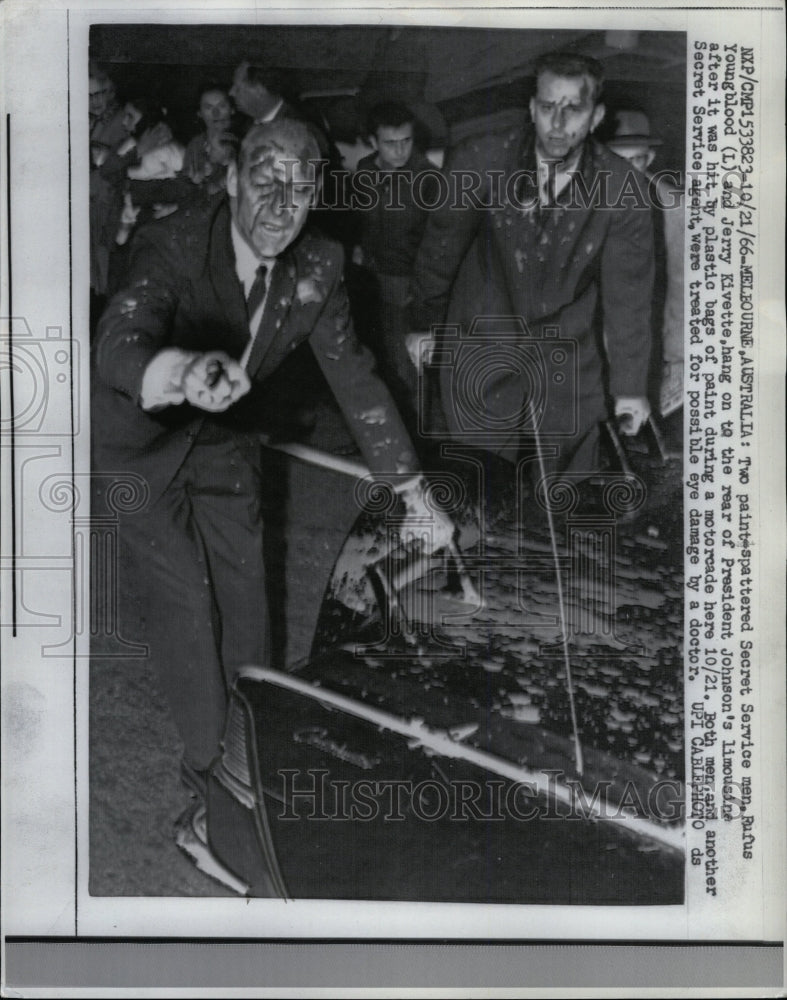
(632, 412)
(213, 381)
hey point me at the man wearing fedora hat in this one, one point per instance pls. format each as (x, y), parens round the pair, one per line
(632, 139)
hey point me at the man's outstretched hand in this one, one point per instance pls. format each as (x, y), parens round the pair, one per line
(213, 381)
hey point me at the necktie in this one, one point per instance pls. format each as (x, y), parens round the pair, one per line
(551, 196)
(549, 199)
(257, 291)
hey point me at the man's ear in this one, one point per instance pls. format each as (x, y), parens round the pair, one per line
(598, 117)
(532, 108)
(232, 179)
(651, 156)
(372, 140)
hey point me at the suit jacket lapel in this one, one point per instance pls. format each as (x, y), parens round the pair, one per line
(274, 314)
(226, 284)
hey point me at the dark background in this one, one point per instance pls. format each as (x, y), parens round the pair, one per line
(447, 75)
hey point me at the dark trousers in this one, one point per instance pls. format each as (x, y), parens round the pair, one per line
(416, 395)
(193, 562)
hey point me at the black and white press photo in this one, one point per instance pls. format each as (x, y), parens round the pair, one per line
(387, 431)
(391, 408)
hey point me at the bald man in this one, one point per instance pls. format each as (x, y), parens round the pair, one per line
(218, 297)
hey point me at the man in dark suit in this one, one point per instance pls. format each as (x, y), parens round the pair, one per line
(556, 236)
(219, 295)
(258, 92)
(390, 232)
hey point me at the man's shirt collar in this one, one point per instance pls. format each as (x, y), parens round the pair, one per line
(270, 115)
(246, 260)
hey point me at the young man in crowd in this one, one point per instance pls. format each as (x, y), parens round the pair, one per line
(402, 183)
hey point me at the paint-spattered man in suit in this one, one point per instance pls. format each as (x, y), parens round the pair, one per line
(559, 236)
(217, 298)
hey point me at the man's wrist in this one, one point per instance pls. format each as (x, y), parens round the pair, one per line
(413, 484)
(162, 383)
(412, 491)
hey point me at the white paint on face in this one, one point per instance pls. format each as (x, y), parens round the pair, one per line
(563, 113)
(270, 196)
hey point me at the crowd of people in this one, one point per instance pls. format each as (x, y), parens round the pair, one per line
(211, 264)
